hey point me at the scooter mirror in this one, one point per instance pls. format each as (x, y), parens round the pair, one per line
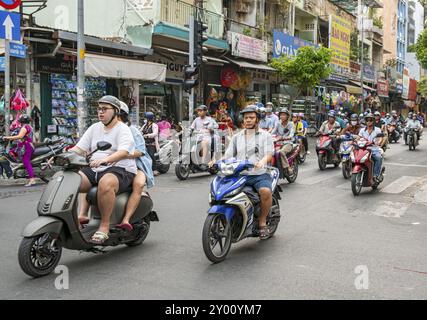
(103, 145)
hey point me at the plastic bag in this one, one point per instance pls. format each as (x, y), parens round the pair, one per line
(19, 102)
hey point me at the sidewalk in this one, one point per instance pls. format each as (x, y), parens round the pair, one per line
(16, 182)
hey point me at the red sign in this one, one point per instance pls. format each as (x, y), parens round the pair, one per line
(412, 95)
(10, 4)
(382, 88)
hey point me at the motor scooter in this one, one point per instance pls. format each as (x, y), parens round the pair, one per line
(326, 153)
(57, 225)
(292, 157)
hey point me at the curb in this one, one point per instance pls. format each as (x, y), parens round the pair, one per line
(16, 182)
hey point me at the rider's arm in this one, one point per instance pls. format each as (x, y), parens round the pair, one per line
(21, 134)
(84, 145)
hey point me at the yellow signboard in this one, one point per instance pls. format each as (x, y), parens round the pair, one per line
(339, 41)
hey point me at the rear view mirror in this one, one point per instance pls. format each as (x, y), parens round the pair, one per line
(103, 145)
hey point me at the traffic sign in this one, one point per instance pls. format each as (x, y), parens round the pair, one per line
(18, 50)
(10, 26)
(2, 64)
(10, 4)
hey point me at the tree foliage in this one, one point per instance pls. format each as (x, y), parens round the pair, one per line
(422, 87)
(421, 49)
(306, 69)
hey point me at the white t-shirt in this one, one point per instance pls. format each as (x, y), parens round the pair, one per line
(120, 137)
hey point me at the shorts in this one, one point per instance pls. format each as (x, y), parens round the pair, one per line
(261, 181)
(125, 177)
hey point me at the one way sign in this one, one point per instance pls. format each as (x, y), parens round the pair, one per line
(10, 26)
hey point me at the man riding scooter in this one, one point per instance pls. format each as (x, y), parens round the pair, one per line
(256, 146)
(413, 123)
(204, 127)
(111, 170)
(333, 126)
(285, 132)
(370, 133)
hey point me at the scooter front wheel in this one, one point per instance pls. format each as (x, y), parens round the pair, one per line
(346, 169)
(216, 237)
(356, 183)
(182, 171)
(38, 256)
(322, 161)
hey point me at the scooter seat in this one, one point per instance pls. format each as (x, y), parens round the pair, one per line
(92, 195)
(40, 151)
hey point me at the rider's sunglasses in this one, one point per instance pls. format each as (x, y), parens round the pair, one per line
(103, 109)
(369, 120)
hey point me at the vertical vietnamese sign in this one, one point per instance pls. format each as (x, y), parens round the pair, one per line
(339, 42)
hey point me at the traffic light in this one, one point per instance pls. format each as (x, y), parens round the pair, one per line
(199, 38)
(189, 73)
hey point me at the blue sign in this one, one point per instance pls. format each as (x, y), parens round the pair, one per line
(2, 64)
(369, 72)
(10, 26)
(287, 45)
(18, 50)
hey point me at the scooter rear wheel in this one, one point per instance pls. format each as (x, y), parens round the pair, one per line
(163, 168)
(346, 169)
(216, 233)
(38, 256)
(142, 235)
(182, 171)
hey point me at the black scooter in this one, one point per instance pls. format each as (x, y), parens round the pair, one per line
(57, 226)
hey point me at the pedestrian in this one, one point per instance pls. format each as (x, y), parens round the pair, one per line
(25, 147)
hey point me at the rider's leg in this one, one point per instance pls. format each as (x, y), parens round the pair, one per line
(266, 202)
(305, 141)
(107, 189)
(283, 151)
(151, 150)
(26, 161)
(134, 199)
(376, 156)
(205, 150)
(85, 186)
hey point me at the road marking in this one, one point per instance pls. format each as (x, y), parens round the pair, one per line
(405, 165)
(400, 184)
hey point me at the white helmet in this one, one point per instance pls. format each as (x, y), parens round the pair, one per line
(124, 107)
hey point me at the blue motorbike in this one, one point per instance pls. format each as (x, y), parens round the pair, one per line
(235, 208)
(345, 150)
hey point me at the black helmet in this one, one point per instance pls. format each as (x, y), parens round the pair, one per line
(284, 110)
(202, 107)
(250, 109)
(24, 119)
(112, 101)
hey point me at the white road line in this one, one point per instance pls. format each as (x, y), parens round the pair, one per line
(400, 184)
(405, 165)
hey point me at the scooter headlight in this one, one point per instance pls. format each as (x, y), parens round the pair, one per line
(227, 169)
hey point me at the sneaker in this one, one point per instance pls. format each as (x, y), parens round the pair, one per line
(308, 152)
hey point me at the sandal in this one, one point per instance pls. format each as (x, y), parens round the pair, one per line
(99, 237)
(264, 233)
(125, 226)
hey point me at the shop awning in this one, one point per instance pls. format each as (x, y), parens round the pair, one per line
(249, 65)
(184, 53)
(353, 89)
(119, 68)
(366, 87)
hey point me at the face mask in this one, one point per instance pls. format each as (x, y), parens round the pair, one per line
(353, 123)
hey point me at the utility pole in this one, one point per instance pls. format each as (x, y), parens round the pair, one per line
(191, 64)
(360, 7)
(81, 108)
(7, 85)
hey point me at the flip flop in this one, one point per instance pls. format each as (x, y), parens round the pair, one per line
(264, 233)
(125, 226)
(99, 237)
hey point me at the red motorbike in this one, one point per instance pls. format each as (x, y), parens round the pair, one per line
(363, 167)
(326, 153)
(292, 157)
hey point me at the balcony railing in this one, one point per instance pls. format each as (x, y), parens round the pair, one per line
(177, 12)
(242, 28)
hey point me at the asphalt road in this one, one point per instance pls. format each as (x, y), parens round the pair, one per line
(328, 240)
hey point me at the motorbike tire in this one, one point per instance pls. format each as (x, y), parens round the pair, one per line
(322, 161)
(346, 170)
(355, 187)
(210, 222)
(163, 168)
(29, 258)
(292, 178)
(273, 221)
(143, 233)
(182, 171)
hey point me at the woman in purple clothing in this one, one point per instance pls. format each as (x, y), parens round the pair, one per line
(25, 146)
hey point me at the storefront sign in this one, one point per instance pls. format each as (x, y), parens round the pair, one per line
(338, 78)
(412, 94)
(248, 47)
(287, 45)
(369, 72)
(354, 71)
(382, 88)
(59, 64)
(174, 65)
(339, 41)
(405, 91)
